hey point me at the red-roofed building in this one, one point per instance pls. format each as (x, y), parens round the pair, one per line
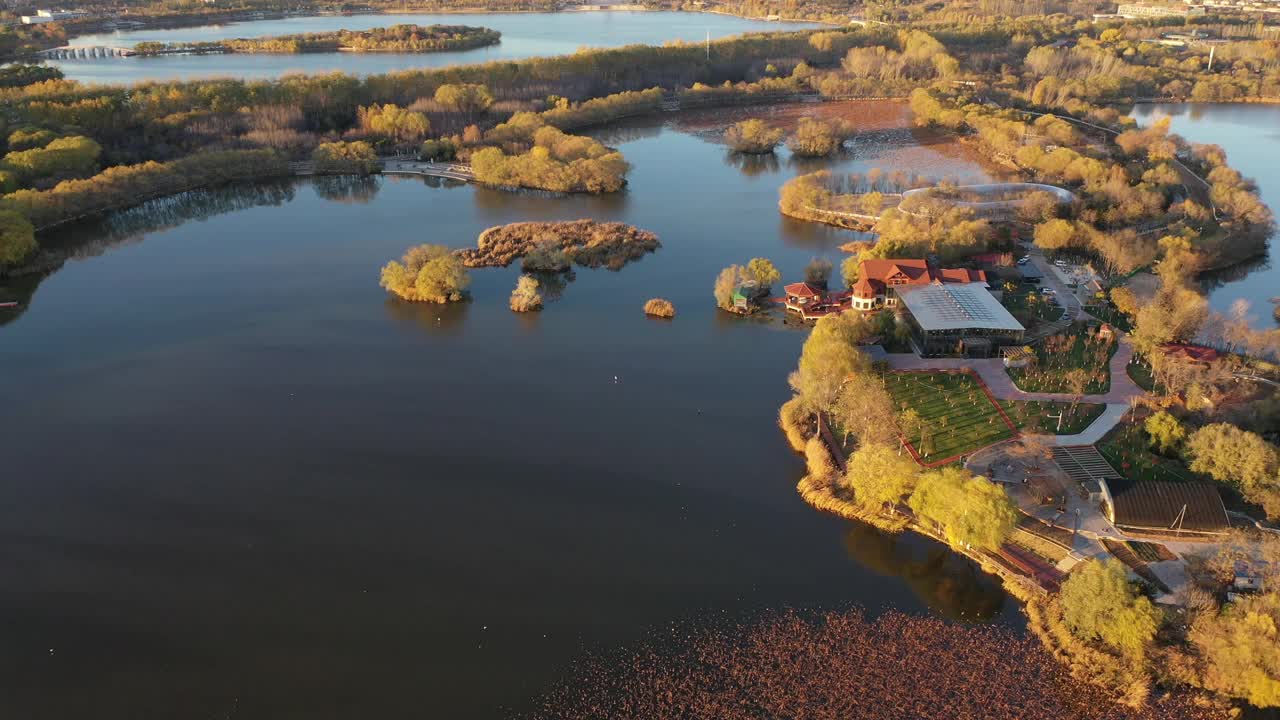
(1190, 353)
(877, 278)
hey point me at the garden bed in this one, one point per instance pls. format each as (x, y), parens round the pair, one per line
(957, 416)
(1080, 348)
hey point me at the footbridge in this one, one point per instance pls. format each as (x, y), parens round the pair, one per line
(393, 166)
(85, 52)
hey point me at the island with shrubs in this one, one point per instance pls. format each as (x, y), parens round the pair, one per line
(553, 246)
(394, 39)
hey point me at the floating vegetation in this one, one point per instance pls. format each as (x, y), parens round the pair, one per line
(584, 242)
(842, 665)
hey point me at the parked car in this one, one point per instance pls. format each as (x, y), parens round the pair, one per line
(1024, 259)
(1048, 291)
(1061, 263)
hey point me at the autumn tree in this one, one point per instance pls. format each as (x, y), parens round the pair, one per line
(829, 357)
(818, 271)
(427, 273)
(1099, 603)
(817, 138)
(396, 124)
(880, 475)
(1165, 431)
(1240, 458)
(17, 238)
(970, 510)
(753, 136)
(763, 272)
(726, 283)
(1240, 647)
(525, 297)
(466, 98)
(345, 158)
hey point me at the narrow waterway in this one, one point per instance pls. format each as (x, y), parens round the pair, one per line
(523, 35)
(242, 482)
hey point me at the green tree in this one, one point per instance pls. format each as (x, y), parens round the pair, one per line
(763, 272)
(427, 273)
(880, 475)
(849, 269)
(17, 238)
(753, 136)
(1099, 603)
(1165, 431)
(972, 511)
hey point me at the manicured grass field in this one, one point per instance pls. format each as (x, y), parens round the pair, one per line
(956, 415)
(1034, 416)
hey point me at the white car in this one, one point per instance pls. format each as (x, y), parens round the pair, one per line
(1061, 263)
(1024, 260)
(1048, 291)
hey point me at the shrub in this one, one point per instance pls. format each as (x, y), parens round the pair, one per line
(659, 307)
(818, 459)
(428, 273)
(794, 420)
(546, 256)
(753, 136)
(526, 298)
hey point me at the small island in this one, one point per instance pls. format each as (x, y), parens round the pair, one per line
(586, 243)
(396, 39)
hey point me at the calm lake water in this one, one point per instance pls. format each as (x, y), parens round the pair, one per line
(523, 35)
(242, 482)
(1251, 136)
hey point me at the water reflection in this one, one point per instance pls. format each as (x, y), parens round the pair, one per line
(628, 131)
(348, 188)
(446, 319)
(949, 583)
(752, 165)
(553, 285)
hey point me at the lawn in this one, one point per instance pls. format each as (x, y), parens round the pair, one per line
(1109, 314)
(1127, 450)
(956, 416)
(1030, 307)
(1141, 374)
(1058, 355)
(1034, 416)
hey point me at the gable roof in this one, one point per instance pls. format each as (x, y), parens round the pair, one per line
(915, 272)
(867, 289)
(1183, 351)
(802, 289)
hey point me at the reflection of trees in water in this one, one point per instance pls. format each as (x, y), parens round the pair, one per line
(752, 164)
(446, 319)
(95, 237)
(1214, 279)
(350, 189)
(21, 288)
(629, 130)
(949, 583)
(553, 285)
(132, 225)
(546, 205)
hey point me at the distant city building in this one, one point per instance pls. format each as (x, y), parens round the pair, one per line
(1141, 10)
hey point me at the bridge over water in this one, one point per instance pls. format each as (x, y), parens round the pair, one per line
(85, 52)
